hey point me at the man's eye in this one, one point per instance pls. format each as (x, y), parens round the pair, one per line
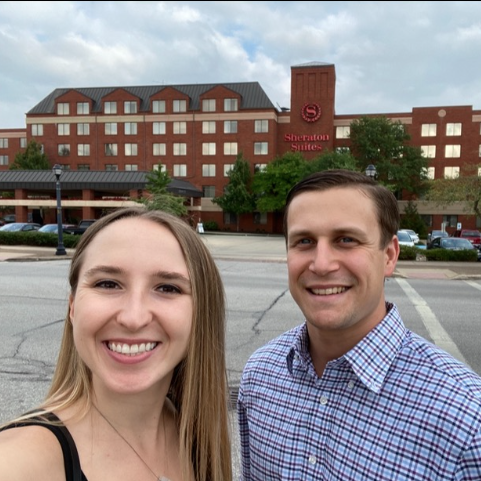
(305, 241)
(346, 240)
(107, 284)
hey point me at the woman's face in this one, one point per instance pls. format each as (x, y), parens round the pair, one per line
(132, 310)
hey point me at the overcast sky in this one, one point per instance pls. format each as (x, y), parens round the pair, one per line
(389, 56)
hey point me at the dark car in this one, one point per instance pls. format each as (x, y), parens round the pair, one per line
(20, 227)
(436, 233)
(474, 236)
(453, 243)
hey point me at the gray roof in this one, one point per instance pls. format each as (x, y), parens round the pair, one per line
(252, 94)
(114, 181)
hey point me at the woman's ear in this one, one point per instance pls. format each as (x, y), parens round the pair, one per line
(71, 307)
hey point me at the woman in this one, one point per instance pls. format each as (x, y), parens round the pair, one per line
(140, 383)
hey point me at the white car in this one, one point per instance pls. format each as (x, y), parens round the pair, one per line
(414, 235)
(404, 238)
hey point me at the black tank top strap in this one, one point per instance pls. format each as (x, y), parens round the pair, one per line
(69, 450)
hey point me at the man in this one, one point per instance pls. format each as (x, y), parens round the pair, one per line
(351, 394)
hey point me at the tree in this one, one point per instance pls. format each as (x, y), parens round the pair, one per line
(159, 197)
(32, 159)
(466, 189)
(385, 143)
(272, 184)
(412, 220)
(238, 198)
(333, 160)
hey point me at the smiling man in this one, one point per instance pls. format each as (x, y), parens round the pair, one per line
(351, 394)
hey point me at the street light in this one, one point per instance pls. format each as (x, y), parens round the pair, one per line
(371, 171)
(57, 170)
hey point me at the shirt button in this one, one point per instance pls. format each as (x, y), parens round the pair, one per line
(350, 384)
(312, 460)
(323, 400)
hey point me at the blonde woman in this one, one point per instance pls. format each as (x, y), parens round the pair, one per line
(140, 390)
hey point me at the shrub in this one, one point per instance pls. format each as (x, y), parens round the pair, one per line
(408, 253)
(467, 255)
(211, 225)
(36, 239)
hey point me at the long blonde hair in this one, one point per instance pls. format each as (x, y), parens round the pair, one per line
(199, 386)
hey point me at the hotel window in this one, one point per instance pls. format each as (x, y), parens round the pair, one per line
(63, 150)
(83, 167)
(179, 106)
(159, 149)
(82, 108)
(260, 167)
(230, 148)
(429, 173)
(83, 129)
(208, 127)
(180, 149)
(343, 132)
(163, 167)
(111, 150)
(260, 148)
(428, 151)
(230, 127)
(130, 149)
(4, 143)
(180, 127)
(208, 148)
(261, 126)
(227, 169)
(111, 128)
(131, 167)
(63, 109)
(479, 151)
(230, 218)
(208, 105)
(23, 142)
(111, 167)
(180, 170)
(63, 129)
(208, 170)
(260, 218)
(130, 107)
(158, 106)
(452, 151)
(428, 130)
(450, 220)
(83, 150)
(230, 105)
(37, 130)
(110, 107)
(208, 191)
(65, 166)
(451, 172)
(158, 128)
(3, 159)
(130, 128)
(453, 130)
(343, 150)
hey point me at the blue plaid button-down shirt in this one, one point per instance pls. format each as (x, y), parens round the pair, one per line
(393, 408)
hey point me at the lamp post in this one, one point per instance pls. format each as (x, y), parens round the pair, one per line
(371, 171)
(57, 170)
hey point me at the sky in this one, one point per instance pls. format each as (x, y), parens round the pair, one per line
(389, 56)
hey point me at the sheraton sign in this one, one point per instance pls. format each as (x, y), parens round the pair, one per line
(305, 142)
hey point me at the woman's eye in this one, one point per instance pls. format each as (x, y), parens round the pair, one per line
(107, 284)
(169, 289)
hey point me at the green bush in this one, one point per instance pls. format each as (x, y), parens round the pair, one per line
(408, 253)
(467, 255)
(211, 225)
(36, 239)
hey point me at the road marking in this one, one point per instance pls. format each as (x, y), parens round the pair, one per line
(437, 332)
(474, 284)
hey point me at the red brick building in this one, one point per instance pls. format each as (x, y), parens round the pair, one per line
(196, 131)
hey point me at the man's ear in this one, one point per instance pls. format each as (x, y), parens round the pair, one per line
(391, 256)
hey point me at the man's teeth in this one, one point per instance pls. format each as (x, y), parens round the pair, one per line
(327, 292)
(131, 349)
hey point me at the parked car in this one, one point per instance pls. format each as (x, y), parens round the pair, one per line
(10, 218)
(473, 235)
(404, 239)
(2, 222)
(79, 229)
(436, 233)
(53, 228)
(20, 227)
(414, 235)
(453, 243)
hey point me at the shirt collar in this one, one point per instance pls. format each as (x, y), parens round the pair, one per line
(372, 357)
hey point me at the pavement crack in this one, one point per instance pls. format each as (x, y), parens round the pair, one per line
(259, 320)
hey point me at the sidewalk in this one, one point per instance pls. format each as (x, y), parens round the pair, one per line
(251, 247)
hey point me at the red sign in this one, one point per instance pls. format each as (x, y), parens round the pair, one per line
(311, 112)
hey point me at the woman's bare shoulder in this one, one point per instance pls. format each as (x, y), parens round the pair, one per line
(30, 452)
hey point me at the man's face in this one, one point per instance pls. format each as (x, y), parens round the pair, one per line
(335, 263)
